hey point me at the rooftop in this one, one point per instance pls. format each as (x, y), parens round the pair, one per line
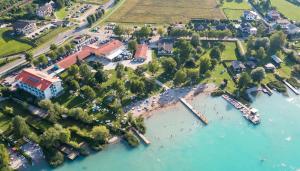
(108, 48)
(37, 79)
(141, 51)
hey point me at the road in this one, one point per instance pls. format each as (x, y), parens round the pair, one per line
(61, 38)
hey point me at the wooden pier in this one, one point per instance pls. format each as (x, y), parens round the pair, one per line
(141, 136)
(198, 114)
(291, 87)
(269, 91)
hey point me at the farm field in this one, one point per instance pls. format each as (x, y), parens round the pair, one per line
(9, 45)
(234, 9)
(288, 9)
(167, 11)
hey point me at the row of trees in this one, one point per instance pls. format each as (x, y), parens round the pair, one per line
(94, 17)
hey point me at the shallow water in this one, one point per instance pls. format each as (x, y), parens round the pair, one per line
(180, 142)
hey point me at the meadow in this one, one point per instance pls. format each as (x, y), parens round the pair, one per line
(165, 12)
(234, 9)
(10, 45)
(288, 9)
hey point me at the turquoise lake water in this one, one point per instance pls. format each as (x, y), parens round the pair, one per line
(229, 143)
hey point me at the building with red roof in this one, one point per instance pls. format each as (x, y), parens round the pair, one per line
(141, 53)
(109, 51)
(39, 83)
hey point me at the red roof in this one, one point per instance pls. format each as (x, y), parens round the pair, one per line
(141, 51)
(87, 51)
(36, 78)
(72, 59)
(108, 47)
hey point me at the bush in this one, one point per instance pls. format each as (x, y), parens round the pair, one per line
(278, 85)
(217, 93)
(132, 140)
(294, 82)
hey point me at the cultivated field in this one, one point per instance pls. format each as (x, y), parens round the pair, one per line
(166, 11)
(288, 9)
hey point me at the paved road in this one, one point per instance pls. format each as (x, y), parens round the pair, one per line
(61, 38)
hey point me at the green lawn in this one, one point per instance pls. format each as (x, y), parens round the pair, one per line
(9, 45)
(233, 14)
(234, 9)
(51, 34)
(61, 14)
(229, 52)
(288, 9)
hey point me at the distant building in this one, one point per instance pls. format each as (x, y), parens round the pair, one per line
(250, 15)
(45, 10)
(141, 53)
(283, 23)
(276, 59)
(270, 67)
(292, 29)
(39, 83)
(165, 47)
(24, 27)
(110, 50)
(252, 30)
(273, 15)
(238, 66)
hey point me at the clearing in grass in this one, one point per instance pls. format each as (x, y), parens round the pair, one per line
(167, 11)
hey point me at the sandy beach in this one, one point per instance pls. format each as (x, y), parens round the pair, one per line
(168, 98)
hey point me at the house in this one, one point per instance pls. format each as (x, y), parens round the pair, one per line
(238, 66)
(45, 10)
(38, 83)
(252, 30)
(165, 47)
(270, 67)
(251, 64)
(24, 27)
(273, 15)
(292, 29)
(141, 53)
(250, 15)
(283, 23)
(276, 59)
(110, 50)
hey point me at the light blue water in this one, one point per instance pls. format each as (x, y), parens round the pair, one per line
(229, 143)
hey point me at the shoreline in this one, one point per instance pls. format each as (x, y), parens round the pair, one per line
(167, 99)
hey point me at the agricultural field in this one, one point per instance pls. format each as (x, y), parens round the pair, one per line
(9, 45)
(97, 2)
(234, 9)
(167, 11)
(288, 9)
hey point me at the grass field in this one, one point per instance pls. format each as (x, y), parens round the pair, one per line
(61, 14)
(166, 11)
(234, 9)
(288, 9)
(98, 2)
(229, 52)
(9, 45)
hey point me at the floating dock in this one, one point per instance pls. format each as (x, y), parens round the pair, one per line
(291, 87)
(198, 114)
(141, 136)
(267, 89)
(249, 113)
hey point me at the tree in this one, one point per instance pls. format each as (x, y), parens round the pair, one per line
(53, 136)
(277, 41)
(43, 59)
(73, 70)
(74, 85)
(180, 77)
(137, 86)
(100, 133)
(20, 126)
(192, 74)
(61, 51)
(120, 70)
(169, 65)
(68, 47)
(119, 30)
(29, 57)
(88, 92)
(215, 53)
(119, 88)
(195, 41)
(85, 72)
(205, 65)
(258, 74)
(244, 80)
(53, 47)
(81, 115)
(261, 53)
(184, 49)
(144, 32)
(101, 76)
(153, 67)
(4, 158)
(132, 44)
